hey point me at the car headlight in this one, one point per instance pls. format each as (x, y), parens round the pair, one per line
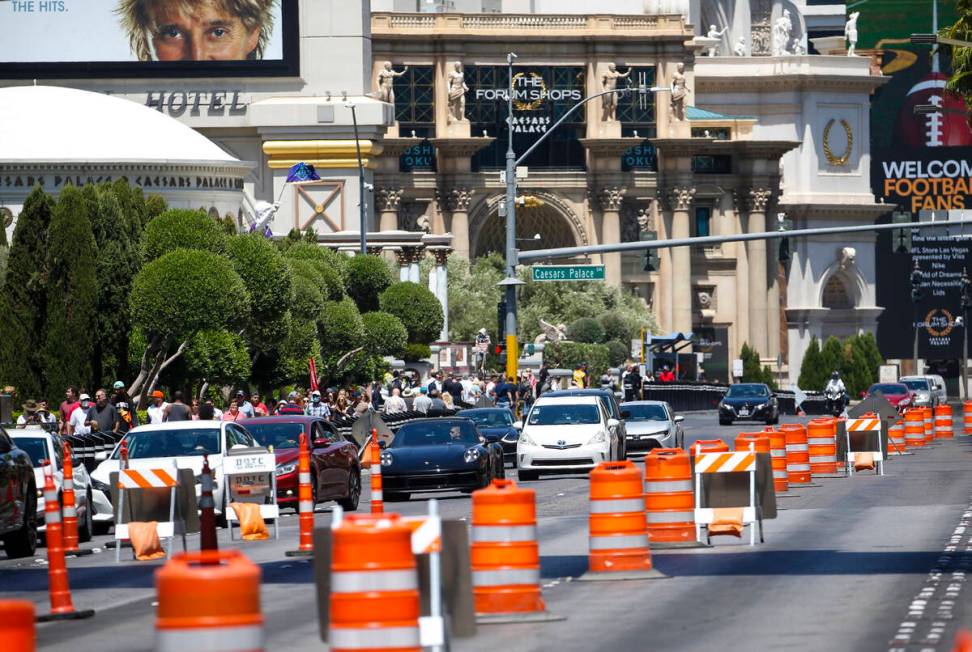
(904, 401)
(101, 486)
(471, 455)
(284, 469)
(599, 438)
(386, 458)
(526, 440)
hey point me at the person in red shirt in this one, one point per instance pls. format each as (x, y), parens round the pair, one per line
(666, 376)
(69, 405)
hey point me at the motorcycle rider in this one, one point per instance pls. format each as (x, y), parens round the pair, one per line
(835, 387)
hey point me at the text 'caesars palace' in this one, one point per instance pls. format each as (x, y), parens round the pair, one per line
(756, 115)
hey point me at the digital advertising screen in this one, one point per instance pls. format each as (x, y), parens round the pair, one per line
(148, 38)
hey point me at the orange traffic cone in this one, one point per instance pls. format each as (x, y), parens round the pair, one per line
(377, 500)
(305, 502)
(17, 632)
(70, 508)
(60, 593)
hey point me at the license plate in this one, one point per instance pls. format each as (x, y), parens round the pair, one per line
(250, 481)
(744, 412)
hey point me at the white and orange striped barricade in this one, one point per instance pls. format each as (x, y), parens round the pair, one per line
(427, 540)
(142, 479)
(738, 462)
(859, 432)
(250, 476)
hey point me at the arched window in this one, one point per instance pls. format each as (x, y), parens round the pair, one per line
(835, 294)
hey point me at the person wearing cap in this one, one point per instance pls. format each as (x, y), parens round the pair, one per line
(156, 411)
(126, 418)
(120, 395)
(317, 407)
(30, 417)
(422, 402)
(78, 423)
(245, 406)
(291, 406)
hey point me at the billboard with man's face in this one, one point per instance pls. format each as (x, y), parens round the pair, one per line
(138, 38)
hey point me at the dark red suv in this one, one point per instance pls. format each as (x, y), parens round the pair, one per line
(18, 500)
(335, 471)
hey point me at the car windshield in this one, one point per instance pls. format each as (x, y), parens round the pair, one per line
(279, 435)
(171, 443)
(917, 383)
(563, 415)
(435, 433)
(645, 413)
(491, 419)
(747, 391)
(888, 389)
(36, 447)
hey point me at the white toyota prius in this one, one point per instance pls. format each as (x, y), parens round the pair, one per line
(566, 434)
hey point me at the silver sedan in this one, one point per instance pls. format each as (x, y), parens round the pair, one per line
(652, 424)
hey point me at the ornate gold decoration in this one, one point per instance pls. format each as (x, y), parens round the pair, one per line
(843, 158)
(945, 330)
(334, 197)
(520, 105)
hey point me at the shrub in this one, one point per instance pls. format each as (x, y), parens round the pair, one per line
(219, 357)
(813, 375)
(384, 334)
(417, 308)
(618, 352)
(415, 352)
(264, 272)
(178, 228)
(303, 250)
(586, 330)
(367, 277)
(567, 355)
(325, 278)
(339, 327)
(307, 301)
(617, 327)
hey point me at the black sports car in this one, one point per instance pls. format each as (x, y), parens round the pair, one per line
(751, 401)
(496, 425)
(440, 454)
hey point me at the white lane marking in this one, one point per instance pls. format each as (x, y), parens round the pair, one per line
(930, 611)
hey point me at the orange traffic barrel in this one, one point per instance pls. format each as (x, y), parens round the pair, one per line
(617, 526)
(943, 422)
(669, 495)
(896, 438)
(928, 420)
(505, 557)
(914, 423)
(374, 601)
(208, 600)
(760, 440)
(709, 446)
(797, 453)
(967, 416)
(778, 453)
(822, 446)
(17, 630)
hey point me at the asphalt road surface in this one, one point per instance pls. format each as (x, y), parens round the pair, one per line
(861, 563)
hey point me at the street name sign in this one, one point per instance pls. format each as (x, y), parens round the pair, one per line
(568, 272)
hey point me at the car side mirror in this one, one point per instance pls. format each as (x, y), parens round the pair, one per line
(625, 414)
(678, 418)
(321, 441)
(518, 425)
(101, 456)
(613, 423)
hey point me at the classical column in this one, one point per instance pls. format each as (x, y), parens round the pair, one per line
(388, 201)
(458, 204)
(417, 253)
(757, 198)
(441, 274)
(610, 198)
(680, 202)
(404, 258)
(663, 291)
(738, 223)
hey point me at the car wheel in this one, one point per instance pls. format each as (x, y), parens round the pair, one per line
(775, 420)
(23, 542)
(725, 422)
(86, 528)
(396, 496)
(525, 476)
(350, 502)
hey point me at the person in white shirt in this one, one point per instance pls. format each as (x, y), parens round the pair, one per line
(467, 391)
(156, 411)
(395, 403)
(78, 424)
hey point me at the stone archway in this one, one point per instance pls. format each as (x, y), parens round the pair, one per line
(556, 223)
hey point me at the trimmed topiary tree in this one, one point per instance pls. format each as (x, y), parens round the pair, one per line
(303, 250)
(567, 355)
(417, 308)
(267, 278)
(325, 278)
(178, 228)
(367, 277)
(384, 334)
(586, 330)
(218, 357)
(618, 352)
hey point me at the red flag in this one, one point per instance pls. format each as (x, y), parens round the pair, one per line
(313, 374)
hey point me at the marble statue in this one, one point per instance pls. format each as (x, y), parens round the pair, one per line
(715, 34)
(846, 257)
(551, 333)
(798, 49)
(609, 82)
(457, 94)
(679, 90)
(386, 82)
(850, 32)
(782, 29)
(740, 49)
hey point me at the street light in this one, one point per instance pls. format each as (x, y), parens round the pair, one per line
(916, 277)
(362, 205)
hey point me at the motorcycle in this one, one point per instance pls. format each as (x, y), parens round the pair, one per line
(836, 402)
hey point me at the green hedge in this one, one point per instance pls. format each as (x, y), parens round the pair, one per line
(567, 355)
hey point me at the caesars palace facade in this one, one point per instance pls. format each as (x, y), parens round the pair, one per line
(759, 135)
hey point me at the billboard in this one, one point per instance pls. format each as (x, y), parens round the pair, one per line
(148, 38)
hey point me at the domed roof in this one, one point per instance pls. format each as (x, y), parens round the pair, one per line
(54, 124)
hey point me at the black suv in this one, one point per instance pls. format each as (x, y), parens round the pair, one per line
(18, 500)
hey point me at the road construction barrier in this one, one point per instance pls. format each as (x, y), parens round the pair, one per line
(914, 422)
(943, 422)
(69, 507)
(17, 630)
(504, 553)
(758, 442)
(822, 446)
(928, 421)
(208, 601)
(738, 462)
(709, 446)
(896, 438)
(669, 496)
(305, 502)
(967, 417)
(250, 476)
(778, 454)
(140, 479)
(797, 454)
(617, 526)
(59, 591)
(870, 427)
(374, 599)
(377, 498)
